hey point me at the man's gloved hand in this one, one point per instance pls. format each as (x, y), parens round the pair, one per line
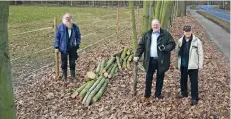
(135, 59)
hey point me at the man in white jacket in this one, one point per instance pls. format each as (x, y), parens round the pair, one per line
(189, 57)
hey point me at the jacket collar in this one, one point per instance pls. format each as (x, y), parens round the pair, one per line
(194, 39)
(161, 32)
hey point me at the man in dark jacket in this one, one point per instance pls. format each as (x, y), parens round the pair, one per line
(156, 44)
(67, 41)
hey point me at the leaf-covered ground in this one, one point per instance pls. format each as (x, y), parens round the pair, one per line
(49, 98)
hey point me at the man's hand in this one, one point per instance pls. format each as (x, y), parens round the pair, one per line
(56, 50)
(135, 59)
(77, 46)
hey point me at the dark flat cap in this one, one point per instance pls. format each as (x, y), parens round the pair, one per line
(187, 28)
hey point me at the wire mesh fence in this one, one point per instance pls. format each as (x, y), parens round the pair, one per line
(32, 50)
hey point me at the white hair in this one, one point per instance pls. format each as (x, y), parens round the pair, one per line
(64, 18)
(156, 21)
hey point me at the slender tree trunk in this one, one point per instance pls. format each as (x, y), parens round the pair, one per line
(173, 12)
(148, 15)
(151, 10)
(133, 20)
(171, 16)
(181, 8)
(157, 9)
(7, 106)
(145, 17)
(183, 11)
(135, 41)
(166, 14)
(161, 10)
(179, 4)
(175, 8)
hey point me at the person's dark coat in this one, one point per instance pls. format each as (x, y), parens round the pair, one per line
(144, 45)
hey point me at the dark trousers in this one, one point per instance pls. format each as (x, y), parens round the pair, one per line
(193, 75)
(72, 57)
(153, 66)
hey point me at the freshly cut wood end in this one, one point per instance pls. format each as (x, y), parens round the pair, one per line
(74, 94)
(103, 71)
(91, 75)
(109, 76)
(105, 74)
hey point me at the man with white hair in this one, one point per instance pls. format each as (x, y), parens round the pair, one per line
(67, 41)
(156, 44)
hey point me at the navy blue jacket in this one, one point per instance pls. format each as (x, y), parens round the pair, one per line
(61, 38)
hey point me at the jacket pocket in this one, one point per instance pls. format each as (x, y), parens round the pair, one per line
(195, 47)
(62, 35)
(194, 61)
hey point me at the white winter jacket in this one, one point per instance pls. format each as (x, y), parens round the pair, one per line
(195, 54)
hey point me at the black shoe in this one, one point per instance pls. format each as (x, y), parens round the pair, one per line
(180, 96)
(72, 73)
(64, 76)
(194, 102)
(73, 78)
(159, 97)
(145, 96)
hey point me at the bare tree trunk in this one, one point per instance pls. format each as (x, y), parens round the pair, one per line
(151, 10)
(135, 41)
(173, 12)
(133, 20)
(7, 106)
(179, 8)
(166, 14)
(145, 17)
(175, 8)
(183, 11)
(171, 16)
(157, 9)
(161, 10)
